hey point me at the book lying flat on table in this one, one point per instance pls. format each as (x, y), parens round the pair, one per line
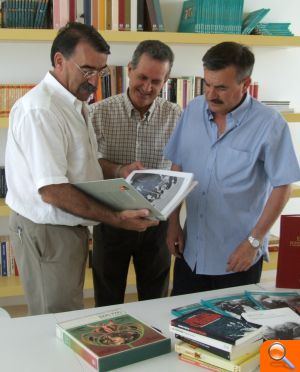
(217, 330)
(279, 324)
(112, 339)
(245, 363)
(231, 305)
(160, 191)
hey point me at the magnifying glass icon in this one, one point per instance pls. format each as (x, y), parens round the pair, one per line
(277, 352)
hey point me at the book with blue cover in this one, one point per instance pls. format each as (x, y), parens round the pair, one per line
(182, 310)
(252, 19)
(189, 16)
(232, 305)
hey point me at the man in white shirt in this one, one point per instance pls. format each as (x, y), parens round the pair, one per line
(51, 144)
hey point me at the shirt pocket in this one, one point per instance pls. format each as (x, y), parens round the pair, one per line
(233, 168)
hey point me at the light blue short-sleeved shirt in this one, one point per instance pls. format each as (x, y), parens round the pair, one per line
(236, 173)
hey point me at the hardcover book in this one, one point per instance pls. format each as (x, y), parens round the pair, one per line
(274, 300)
(231, 305)
(215, 326)
(112, 339)
(247, 362)
(160, 191)
(252, 19)
(279, 324)
(288, 264)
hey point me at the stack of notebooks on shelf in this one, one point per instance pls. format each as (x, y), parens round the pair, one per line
(273, 29)
(211, 16)
(113, 339)
(226, 333)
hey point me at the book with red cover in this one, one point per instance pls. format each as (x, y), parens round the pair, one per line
(121, 15)
(288, 265)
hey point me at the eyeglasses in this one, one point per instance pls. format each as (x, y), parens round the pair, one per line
(87, 74)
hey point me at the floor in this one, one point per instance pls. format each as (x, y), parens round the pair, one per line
(268, 279)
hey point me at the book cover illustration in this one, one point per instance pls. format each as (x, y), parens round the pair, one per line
(160, 191)
(274, 300)
(115, 335)
(279, 324)
(217, 326)
(232, 305)
(112, 339)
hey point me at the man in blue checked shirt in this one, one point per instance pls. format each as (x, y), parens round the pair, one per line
(242, 155)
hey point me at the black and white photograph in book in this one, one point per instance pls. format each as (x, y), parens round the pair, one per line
(153, 186)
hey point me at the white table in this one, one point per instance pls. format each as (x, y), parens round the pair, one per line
(29, 344)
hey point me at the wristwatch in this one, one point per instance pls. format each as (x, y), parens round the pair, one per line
(255, 243)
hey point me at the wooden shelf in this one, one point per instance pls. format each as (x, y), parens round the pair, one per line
(4, 210)
(291, 117)
(30, 35)
(3, 122)
(295, 191)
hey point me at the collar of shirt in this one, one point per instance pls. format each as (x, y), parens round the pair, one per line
(62, 91)
(130, 109)
(233, 118)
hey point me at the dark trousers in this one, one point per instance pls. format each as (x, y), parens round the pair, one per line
(112, 251)
(187, 281)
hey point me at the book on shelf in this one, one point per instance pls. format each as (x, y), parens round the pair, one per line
(160, 191)
(252, 19)
(245, 363)
(112, 339)
(288, 264)
(274, 300)
(215, 329)
(278, 324)
(235, 353)
(231, 305)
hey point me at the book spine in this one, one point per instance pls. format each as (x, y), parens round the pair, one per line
(200, 338)
(76, 347)
(108, 15)
(121, 21)
(101, 14)
(3, 259)
(127, 16)
(211, 349)
(140, 15)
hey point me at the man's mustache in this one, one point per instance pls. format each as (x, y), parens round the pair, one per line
(217, 101)
(88, 87)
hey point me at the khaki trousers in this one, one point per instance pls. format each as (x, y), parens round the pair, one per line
(51, 261)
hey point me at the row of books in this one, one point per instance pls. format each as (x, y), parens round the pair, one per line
(10, 93)
(227, 332)
(3, 185)
(8, 265)
(26, 14)
(217, 16)
(211, 16)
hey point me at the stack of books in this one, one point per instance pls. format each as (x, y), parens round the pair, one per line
(211, 339)
(273, 29)
(281, 106)
(226, 333)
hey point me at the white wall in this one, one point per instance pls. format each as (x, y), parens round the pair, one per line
(276, 68)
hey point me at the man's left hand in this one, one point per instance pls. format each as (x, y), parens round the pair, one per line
(241, 258)
(125, 170)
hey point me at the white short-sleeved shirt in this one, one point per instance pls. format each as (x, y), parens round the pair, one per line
(49, 142)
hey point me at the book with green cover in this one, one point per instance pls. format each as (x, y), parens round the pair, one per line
(112, 339)
(160, 191)
(189, 16)
(252, 19)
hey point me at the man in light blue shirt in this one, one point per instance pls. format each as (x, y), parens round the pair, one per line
(242, 155)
